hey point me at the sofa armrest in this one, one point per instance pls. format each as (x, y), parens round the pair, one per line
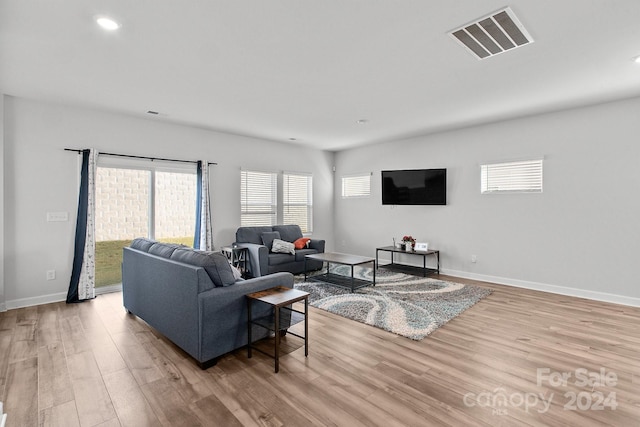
(258, 258)
(317, 244)
(223, 313)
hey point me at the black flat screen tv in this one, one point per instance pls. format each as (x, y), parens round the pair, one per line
(414, 187)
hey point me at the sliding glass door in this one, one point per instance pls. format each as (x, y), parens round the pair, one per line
(150, 201)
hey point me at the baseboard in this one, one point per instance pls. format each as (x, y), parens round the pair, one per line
(561, 290)
(28, 302)
(47, 299)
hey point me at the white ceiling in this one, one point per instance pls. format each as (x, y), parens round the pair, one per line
(309, 69)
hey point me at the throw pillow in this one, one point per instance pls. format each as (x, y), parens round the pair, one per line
(142, 244)
(215, 264)
(236, 273)
(301, 243)
(282, 247)
(164, 249)
(269, 237)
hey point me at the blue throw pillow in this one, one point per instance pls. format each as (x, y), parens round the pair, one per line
(142, 244)
(164, 250)
(215, 264)
(269, 237)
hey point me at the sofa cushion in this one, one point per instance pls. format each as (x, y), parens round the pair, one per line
(276, 259)
(268, 238)
(282, 247)
(215, 264)
(251, 234)
(288, 233)
(164, 249)
(142, 244)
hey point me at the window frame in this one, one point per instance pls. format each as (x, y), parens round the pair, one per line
(308, 227)
(344, 180)
(152, 166)
(512, 177)
(273, 205)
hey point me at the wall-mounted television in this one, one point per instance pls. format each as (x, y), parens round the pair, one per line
(414, 187)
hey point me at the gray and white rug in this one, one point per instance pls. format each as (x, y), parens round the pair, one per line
(406, 305)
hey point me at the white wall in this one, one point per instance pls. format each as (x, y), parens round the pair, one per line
(41, 177)
(2, 270)
(579, 237)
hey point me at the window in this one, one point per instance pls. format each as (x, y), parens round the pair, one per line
(356, 186)
(258, 192)
(140, 199)
(512, 177)
(297, 205)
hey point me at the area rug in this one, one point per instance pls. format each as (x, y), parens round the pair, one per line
(410, 306)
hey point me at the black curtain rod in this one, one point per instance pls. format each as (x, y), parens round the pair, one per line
(140, 157)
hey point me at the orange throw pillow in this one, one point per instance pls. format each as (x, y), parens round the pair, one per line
(301, 242)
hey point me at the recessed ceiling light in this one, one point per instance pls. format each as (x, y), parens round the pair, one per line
(107, 23)
(292, 139)
(636, 59)
(362, 121)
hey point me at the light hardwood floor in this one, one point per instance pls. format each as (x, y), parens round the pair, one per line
(91, 364)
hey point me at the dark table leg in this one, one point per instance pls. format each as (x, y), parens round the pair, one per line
(277, 328)
(424, 265)
(306, 327)
(249, 328)
(375, 265)
(352, 278)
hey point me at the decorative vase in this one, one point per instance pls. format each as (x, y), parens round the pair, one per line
(408, 246)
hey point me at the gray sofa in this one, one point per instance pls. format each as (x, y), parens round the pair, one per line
(263, 261)
(192, 297)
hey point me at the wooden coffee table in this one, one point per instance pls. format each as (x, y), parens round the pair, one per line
(338, 279)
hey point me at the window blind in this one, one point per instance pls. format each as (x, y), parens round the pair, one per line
(512, 177)
(356, 186)
(297, 203)
(258, 198)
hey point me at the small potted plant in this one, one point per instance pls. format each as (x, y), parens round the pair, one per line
(409, 242)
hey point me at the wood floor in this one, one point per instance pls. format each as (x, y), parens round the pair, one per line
(91, 364)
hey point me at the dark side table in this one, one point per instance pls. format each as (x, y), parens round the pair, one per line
(405, 268)
(282, 317)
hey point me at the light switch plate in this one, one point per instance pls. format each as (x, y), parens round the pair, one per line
(57, 216)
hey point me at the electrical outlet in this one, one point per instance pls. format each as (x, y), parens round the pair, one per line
(474, 258)
(51, 275)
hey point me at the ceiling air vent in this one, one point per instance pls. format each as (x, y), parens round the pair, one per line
(499, 32)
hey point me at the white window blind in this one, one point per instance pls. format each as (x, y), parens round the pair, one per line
(356, 186)
(512, 177)
(297, 203)
(258, 198)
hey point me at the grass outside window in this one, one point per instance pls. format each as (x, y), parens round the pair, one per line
(109, 258)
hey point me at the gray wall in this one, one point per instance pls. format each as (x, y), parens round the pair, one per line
(41, 177)
(579, 237)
